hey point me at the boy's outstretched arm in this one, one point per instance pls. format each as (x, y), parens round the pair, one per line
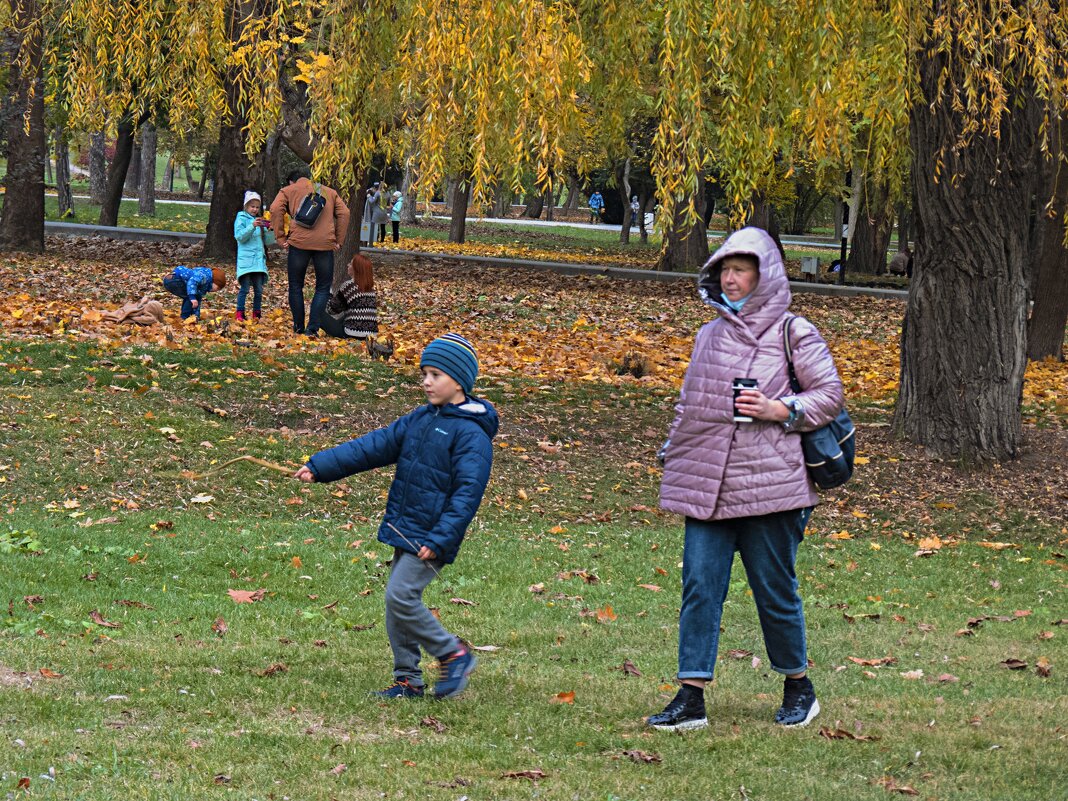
(376, 449)
(472, 462)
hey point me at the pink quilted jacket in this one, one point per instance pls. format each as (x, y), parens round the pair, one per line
(717, 469)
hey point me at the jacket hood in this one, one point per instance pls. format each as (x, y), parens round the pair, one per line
(477, 409)
(771, 298)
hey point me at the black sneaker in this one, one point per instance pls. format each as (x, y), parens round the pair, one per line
(401, 688)
(685, 712)
(799, 704)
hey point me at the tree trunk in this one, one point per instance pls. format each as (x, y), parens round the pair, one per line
(685, 245)
(460, 196)
(550, 204)
(963, 341)
(98, 168)
(1049, 315)
(146, 189)
(206, 174)
(49, 178)
(63, 193)
(762, 215)
(167, 183)
(574, 188)
(408, 216)
(234, 174)
(124, 145)
(871, 233)
(502, 196)
(623, 186)
(357, 201)
(189, 182)
(450, 190)
(133, 173)
(904, 227)
(22, 218)
(535, 203)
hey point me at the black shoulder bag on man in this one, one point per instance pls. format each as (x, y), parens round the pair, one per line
(310, 209)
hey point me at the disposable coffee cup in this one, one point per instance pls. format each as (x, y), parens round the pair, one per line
(737, 386)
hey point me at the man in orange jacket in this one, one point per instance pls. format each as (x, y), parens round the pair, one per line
(314, 242)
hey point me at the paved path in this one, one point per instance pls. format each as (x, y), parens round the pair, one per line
(563, 268)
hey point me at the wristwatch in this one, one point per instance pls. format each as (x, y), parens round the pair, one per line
(797, 412)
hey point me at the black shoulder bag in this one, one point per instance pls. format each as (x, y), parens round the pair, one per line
(310, 209)
(828, 450)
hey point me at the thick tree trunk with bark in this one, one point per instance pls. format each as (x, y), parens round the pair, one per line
(685, 244)
(904, 227)
(762, 215)
(146, 188)
(550, 204)
(963, 342)
(63, 193)
(167, 182)
(461, 194)
(535, 203)
(502, 197)
(124, 146)
(193, 185)
(98, 168)
(645, 200)
(1049, 315)
(22, 218)
(871, 233)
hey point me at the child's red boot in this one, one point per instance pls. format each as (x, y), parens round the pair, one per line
(239, 316)
(256, 314)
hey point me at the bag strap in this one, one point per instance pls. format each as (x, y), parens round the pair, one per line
(795, 385)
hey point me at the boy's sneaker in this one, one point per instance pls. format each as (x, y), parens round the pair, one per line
(685, 712)
(799, 704)
(401, 688)
(454, 672)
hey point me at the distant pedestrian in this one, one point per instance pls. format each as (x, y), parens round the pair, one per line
(596, 207)
(319, 222)
(253, 234)
(395, 213)
(191, 284)
(354, 303)
(443, 451)
(635, 210)
(381, 210)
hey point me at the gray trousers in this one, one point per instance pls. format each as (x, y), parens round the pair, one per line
(409, 623)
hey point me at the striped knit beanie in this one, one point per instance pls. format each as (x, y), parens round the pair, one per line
(454, 356)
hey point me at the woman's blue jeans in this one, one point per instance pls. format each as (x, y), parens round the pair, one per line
(256, 281)
(297, 268)
(768, 547)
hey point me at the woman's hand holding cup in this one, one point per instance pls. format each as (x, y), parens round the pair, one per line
(755, 404)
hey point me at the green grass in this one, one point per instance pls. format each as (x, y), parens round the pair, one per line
(91, 488)
(169, 216)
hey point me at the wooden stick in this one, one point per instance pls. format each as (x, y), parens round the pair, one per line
(255, 460)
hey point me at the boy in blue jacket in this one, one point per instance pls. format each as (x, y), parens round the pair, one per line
(191, 284)
(443, 452)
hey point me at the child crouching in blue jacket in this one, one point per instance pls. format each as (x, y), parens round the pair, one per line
(191, 284)
(443, 452)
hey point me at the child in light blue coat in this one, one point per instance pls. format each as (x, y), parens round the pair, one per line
(253, 234)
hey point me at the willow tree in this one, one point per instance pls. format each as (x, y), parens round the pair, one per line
(483, 101)
(131, 60)
(969, 81)
(985, 89)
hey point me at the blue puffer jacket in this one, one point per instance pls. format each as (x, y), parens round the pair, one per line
(251, 240)
(443, 457)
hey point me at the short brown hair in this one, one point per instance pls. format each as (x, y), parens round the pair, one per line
(218, 277)
(362, 273)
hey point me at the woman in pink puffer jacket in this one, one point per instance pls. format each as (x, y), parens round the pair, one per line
(743, 486)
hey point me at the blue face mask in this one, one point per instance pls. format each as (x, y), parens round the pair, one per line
(735, 305)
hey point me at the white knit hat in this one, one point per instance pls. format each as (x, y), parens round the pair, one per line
(396, 195)
(250, 196)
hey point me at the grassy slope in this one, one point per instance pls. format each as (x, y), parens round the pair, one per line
(82, 444)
